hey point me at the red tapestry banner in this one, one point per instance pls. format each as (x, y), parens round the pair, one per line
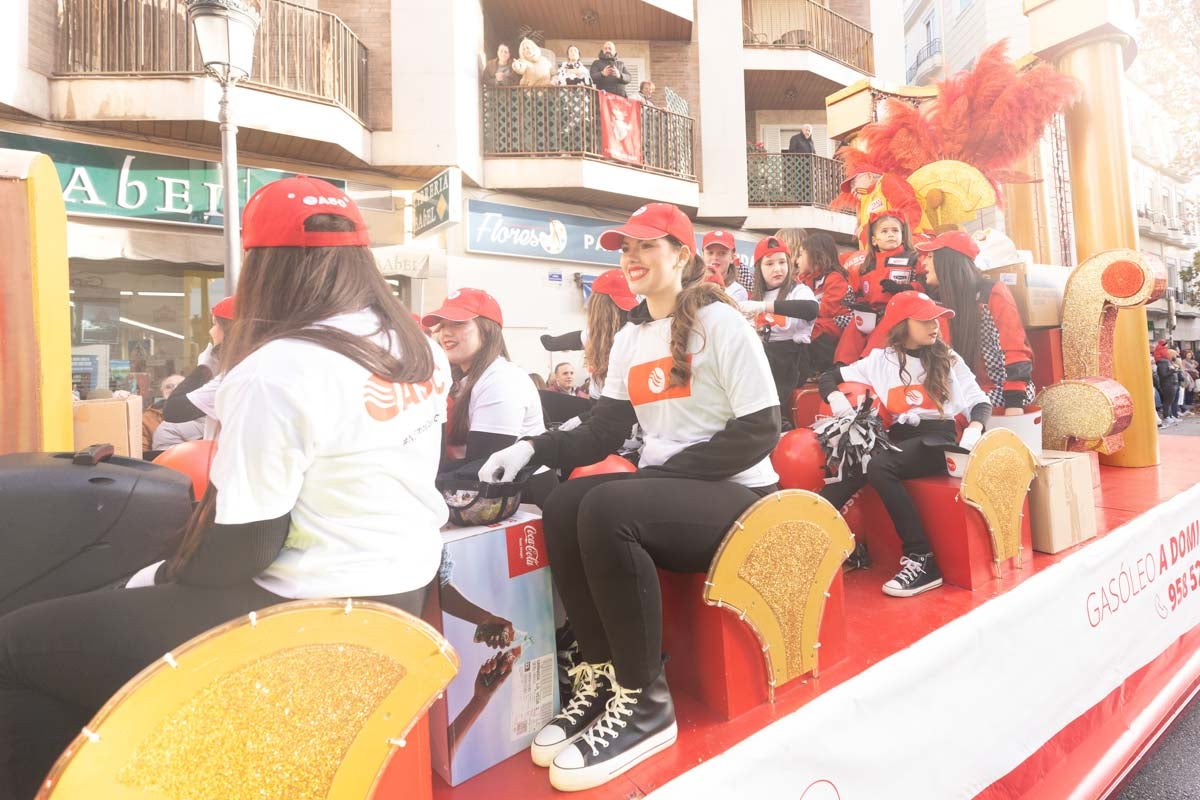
(620, 128)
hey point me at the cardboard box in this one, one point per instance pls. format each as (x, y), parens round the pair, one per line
(115, 422)
(1037, 290)
(1093, 462)
(1062, 505)
(502, 694)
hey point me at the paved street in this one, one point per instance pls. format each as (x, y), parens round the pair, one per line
(1188, 426)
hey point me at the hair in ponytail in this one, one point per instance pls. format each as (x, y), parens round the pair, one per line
(695, 295)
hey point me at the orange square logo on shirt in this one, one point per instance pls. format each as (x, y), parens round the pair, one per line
(902, 398)
(648, 383)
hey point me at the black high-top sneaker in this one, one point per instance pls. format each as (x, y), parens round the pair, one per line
(859, 559)
(592, 690)
(568, 659)
(636, 724)
(918, 573)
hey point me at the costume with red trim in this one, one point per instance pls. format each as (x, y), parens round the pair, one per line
(833, 294)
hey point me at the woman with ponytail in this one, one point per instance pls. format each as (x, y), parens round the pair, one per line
(331, 406)
(691, 372)
(924, 386)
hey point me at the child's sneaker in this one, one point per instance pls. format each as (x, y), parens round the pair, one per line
(918, 573)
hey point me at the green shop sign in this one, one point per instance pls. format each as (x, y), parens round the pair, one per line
(132, 184)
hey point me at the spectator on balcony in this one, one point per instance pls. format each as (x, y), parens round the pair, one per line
(533, 67)
(499, 70)
(802, 142)
(645, 94)
(609, 73)
(572, 72)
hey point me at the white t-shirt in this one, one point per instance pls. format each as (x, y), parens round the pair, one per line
(881, 370)
(352, 457)
(730, 378)
(786, 329)
(506, 402)
(737, 292)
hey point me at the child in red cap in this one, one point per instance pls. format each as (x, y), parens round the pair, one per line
(691, 373)
(719, 251)
(923, 385)
(782, 310)
(189, 412)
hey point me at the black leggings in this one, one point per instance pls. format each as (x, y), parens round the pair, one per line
(789, 364)
(61, 660)
(607, 533)
(916, 458)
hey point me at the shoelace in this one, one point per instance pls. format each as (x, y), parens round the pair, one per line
(585, 686)
(602, 729)
(909, 569)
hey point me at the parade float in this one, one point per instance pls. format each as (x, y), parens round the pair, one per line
(1062, 647)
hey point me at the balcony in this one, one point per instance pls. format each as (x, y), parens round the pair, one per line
(777, 181)
(135, 64)
(654, 20)
(807, 25)
(549, 140)
(929, 59)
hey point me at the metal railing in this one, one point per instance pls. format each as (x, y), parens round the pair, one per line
(931, 49)
(792, 179)
(529, 121)
(298, 50)
(806, 24)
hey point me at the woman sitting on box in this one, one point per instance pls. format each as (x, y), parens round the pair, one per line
(331, 409)
(924, 385)
(986, 329)
(691, 371)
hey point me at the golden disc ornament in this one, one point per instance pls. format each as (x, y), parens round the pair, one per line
(951, 193)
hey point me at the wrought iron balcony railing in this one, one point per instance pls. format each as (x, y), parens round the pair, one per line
(931, 49)
(807, 24)
(298, 50)
(792, 179)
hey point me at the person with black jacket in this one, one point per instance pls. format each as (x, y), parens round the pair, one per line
(194, 401)
(692, 373)
(609, 73)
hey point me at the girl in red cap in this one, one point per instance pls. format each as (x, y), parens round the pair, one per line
(190, 411)
(986, 329)
(331, 407)
(691, 372)
(782, 310)
(608, 309)
(924, 385)
(493, 402)
(818, 267)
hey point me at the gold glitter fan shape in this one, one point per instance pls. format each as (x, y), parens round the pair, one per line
(996, 482)
(302, 701)
(951, 193)
(774, 569)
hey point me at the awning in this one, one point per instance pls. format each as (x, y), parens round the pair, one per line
(105, 241)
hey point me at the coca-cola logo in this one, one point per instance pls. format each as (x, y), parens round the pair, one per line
(529, 546)
(526, 548)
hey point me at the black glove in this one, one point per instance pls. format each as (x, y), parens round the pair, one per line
(567, 341)
(892, 287)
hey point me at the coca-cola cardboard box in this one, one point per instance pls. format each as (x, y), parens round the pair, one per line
(494, 605)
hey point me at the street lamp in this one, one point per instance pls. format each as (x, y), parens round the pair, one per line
(225, 31)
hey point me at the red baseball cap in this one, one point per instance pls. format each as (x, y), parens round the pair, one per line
(652, 221)
(224, 309)
(767, 246)
(463, 305)
(723, 238)
(614, 284)
(959, 241)
(912, 305)
(275, 215)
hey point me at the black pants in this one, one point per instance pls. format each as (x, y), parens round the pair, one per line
(820, 354)
(61, 660)
(606, 535)
(789, 363)
(916, 458)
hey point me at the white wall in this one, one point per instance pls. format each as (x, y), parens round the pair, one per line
(20, 87)
(887, 26)
(722, 94)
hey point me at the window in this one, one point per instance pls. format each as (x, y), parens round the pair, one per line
(929, 37)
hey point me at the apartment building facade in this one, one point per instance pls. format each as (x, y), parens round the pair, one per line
(383, 95)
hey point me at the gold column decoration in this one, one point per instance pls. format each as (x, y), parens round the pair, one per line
(1089, 410)
(996, 482)
(774, 569)
(1090, 40)
(305, 700)
(1025, 210)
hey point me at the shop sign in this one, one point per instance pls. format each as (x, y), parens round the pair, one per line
(398, 260)
(132, 184)
(438, 203)
(507, 230)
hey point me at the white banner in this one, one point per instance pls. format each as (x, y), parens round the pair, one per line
(964, 706)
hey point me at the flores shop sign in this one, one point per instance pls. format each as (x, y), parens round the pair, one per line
(501, 229)
(114, 182)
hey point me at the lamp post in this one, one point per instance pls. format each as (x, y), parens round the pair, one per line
(225, 31)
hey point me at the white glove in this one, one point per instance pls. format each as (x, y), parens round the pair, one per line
(970, 437)
(209, 359)
(839, 404)
(144, 576)
(571, 424)
(909, 418)
(503, 465)
(752, 308)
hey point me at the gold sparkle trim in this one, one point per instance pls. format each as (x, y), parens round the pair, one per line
(996, 482)
(1083, 414)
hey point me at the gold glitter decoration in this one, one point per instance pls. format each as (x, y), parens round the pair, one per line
(276, 729)
(782, 565)
(964, 192)
(1084, 415)
(996, 482)
(774, 569)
